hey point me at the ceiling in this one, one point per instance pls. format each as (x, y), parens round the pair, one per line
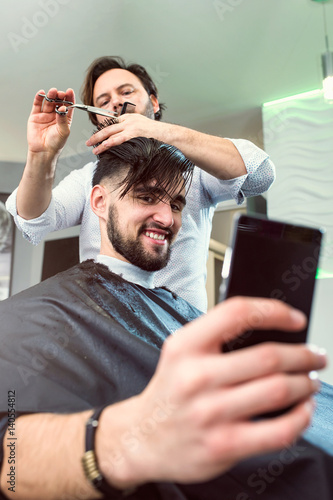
(211, 59)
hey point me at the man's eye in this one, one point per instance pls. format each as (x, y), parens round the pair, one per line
(147, 199)
(104, 103)
(127, 92)
(176, 208)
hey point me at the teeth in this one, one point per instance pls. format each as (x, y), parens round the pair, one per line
(155, 236)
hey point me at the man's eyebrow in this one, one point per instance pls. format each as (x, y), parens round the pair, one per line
(181, 199)
(106, 94)
(145, 188)
(102, 96)
(125, 85)
(158, 192)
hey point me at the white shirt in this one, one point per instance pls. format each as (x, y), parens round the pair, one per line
(185, 273)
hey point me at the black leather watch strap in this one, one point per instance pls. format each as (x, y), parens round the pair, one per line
(90, 464)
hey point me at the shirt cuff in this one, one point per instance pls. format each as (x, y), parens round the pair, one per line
(33, 230)
(260, 170)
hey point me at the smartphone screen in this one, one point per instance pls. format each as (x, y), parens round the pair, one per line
(271, 259)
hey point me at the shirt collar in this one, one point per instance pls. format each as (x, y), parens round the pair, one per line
(128, 271)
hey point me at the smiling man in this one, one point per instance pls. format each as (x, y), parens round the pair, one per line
(144, 205)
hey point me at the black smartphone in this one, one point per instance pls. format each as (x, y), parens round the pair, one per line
(269, 258)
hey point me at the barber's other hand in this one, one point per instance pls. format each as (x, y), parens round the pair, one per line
(195, 418)
(47, 130)
(130, 125)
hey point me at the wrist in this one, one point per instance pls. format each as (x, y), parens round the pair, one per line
(115, 450)
(167, 132)
(41, 162)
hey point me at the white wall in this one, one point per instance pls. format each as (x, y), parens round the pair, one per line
(298, 134)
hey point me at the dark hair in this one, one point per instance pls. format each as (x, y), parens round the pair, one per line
(105, 63)
(142, 160)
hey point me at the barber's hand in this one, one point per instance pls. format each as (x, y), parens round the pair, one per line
(130, 125)
(47, 130)
(195, 418)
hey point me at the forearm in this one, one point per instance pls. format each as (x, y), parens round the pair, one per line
(35, 188)
(48, 452)
(215, 155)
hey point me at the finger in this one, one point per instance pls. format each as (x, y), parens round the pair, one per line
(63, 121)
(115, 140)
(67, 117)
(104, 134)
(254, 362)
(65, 96)
(249, 438)
(61, 95)
(257, 397)
(70, 95)
(49, 107)
(62, 114)
(233, 317)
(38, 102)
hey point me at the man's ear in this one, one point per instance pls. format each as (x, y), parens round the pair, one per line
(155, 103)
(98, 201)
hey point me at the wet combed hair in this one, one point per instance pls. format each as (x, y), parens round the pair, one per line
(105, 63)
(138, 161)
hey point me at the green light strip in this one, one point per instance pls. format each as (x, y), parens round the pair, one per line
(311, 93)
(321, 274)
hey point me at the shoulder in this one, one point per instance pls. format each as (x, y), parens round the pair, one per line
(46, 289)
(86, 172)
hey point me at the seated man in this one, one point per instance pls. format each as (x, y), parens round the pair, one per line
(91, 373)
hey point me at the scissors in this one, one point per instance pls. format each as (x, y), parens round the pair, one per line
(84, 107)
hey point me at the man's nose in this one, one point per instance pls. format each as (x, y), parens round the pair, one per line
(163, 214)
(116, 104)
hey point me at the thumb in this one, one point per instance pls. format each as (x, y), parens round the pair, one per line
(64, 119)
(233, 317)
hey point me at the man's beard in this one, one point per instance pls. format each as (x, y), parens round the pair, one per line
(133, 250)
(149, 110)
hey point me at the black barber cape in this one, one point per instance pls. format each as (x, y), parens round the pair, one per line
(87, 337)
